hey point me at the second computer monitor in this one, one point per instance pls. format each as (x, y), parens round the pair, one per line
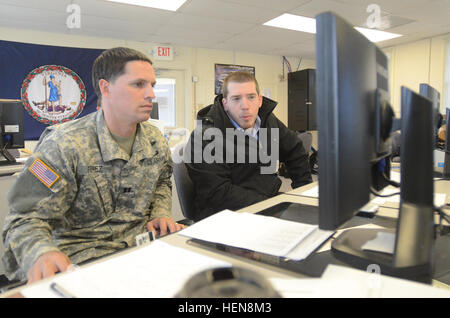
(12, 128)
(435, 97)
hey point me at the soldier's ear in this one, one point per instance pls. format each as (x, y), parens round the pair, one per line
(104, 87)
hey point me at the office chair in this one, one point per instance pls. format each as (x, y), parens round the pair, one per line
(306, 138)
(184, 185)
(395, 146)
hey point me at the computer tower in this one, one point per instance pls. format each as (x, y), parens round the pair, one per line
(302, 112)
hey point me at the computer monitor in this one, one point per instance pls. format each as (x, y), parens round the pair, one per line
(11, 125)
(446, 170)
(155, 111)
(352, 103)
(353, 127)
(435, 97)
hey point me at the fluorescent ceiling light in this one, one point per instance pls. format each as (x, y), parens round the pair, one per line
(294, 22)
(375, 35)
(171, 5)
(304, 24)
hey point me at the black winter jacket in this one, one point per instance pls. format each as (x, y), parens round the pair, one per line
(235, 185)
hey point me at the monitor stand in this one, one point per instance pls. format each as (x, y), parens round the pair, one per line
(413, 250)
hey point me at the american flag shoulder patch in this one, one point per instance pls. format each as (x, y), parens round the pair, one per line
(43, 172)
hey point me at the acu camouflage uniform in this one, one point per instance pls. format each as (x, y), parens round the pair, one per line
(101, 201)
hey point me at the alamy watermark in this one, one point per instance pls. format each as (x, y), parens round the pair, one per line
(73, 21)
(233, 147)
(374, 282)
(375, 20)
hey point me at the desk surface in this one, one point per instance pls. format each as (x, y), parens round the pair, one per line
(319, 260)
(6, 170)
(386, 217)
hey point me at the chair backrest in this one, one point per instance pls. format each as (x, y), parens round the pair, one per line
(306, 138)
(183, 183)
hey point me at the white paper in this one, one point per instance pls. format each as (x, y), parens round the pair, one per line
(156, 270)
(313, 192)
(345, 282)
(309, 244)
(258, 233)
(439, 198)
(297, 287)
(327, 246)
(384, 242)
(339, 281)
(395, 176)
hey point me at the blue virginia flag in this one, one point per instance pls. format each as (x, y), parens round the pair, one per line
(17, 60)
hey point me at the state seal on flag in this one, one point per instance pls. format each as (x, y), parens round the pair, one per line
(53, 94)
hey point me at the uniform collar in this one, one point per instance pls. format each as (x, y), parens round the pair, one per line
(143, 147)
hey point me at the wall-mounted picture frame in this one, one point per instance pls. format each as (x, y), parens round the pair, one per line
(222, 70)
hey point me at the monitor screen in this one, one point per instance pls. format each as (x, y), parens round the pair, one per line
(432, 94)
(415, 225)
(354, 124)
(155, 111)
(447, 130)
(446, 170)
(347, 90)
(11, 125)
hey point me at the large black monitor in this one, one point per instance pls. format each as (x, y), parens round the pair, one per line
(446, 171)
(354, 125)
(435, 97)
(352, 103)
(11, 125)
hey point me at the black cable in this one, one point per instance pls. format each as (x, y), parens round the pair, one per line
(442, 214)
(298, 66)
(374, 192)
(443, 229)
(391, 182)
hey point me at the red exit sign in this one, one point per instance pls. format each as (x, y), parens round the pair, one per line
(163, 52)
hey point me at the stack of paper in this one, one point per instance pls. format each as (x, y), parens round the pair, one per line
(263, 234)
(156, 270)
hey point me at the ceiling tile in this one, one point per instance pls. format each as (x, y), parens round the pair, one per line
(192, 22)
(230, 11)
(224, 24)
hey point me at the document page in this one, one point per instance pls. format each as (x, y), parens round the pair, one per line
(258, 233)
(313, 192)
(439, 198)
(344, 282)
(156, 270)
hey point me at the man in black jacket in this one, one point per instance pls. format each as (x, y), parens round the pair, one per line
(233, 154)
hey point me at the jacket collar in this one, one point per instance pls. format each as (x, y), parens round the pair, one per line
(217, 114)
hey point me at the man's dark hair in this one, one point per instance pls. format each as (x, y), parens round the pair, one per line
(238, 77)
(111, 64)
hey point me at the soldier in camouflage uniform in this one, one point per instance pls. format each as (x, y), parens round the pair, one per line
(83, 194)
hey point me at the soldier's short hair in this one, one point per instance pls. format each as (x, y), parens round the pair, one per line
(111, 64)
(238, 77)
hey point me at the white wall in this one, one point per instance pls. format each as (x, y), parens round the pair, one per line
(410, 64)
(192, 61)
(414, 63)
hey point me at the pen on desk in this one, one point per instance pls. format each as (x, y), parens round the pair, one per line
(61, 291)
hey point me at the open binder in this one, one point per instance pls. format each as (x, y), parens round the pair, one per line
(259, 237)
